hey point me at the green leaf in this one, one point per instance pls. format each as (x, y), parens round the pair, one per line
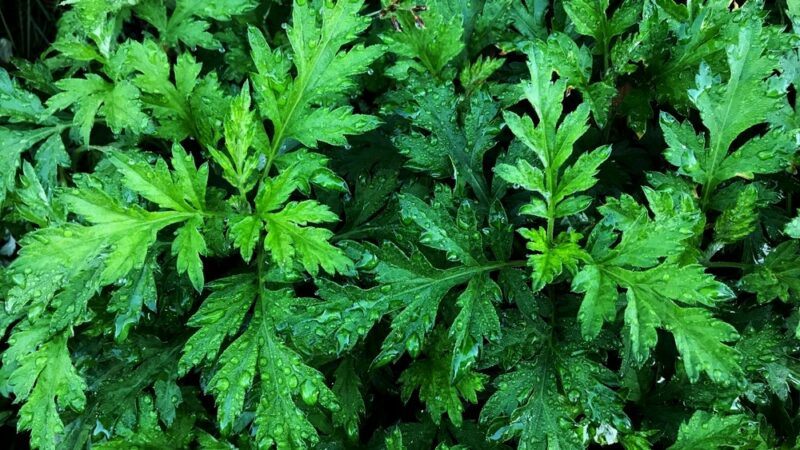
(741, 220)
(778, 277)
(645, 241)
(220, 316)
(476, 321)
(581, 175)
(237, 367)
(310, 169)
(444, 140)
(246, 233)
(130, 299)
(16, 103)
(14, 144)
(432, 377)
(529, 18)
(239, 165)
(188, 246)
(574, 64)
(119, 103)
(158, 185)
(284, 376)
(793, 228)
(168, 398)
(426, 48)
(552, 140)
(709, 430)
(288, 238)
(653, 290)
(47, 382)
(106, 251)
(394, 440)
(535, 410)
(32, 201)
(728, 109)
(699, 337)
(301, 108)
(347, 388)
(771, 370)
(331, 126)
(589, 17)
(522, 175)
(50, 157)
(147, 432)
(475, 74)
(457, 237)
(550, 260)
(407, 283)
(257, 349)
(684, 147)
(188, 178)
(189, 21)
(599, 303)
(189, 106)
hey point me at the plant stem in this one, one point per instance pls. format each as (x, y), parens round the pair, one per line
(728, 264)
(551, 205)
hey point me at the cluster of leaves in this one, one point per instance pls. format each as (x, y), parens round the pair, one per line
(457, 224)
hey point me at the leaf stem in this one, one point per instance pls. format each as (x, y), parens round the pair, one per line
(551, 205)
(728, 264)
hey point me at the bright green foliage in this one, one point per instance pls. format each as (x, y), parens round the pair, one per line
(15, 142)
(552, 140)
(654, 298)
(574, 64)
(590, 18)
(148, 434)
(46, 381)
(778, 277)
(240, 131)
(188, 21)
(349, 312)
(737, 222)
(551, 258)
(746, 89)
(258, 349)
(324, 73)
(189, 106)
(18, 105)
(767, 358)
(130, 299)
(425, 43)
(220, 315)
(456, 237)
(287, 236)
(394, 440)
(706, 430)
(450, 225)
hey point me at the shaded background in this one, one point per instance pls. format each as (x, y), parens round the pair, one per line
(27, 27)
